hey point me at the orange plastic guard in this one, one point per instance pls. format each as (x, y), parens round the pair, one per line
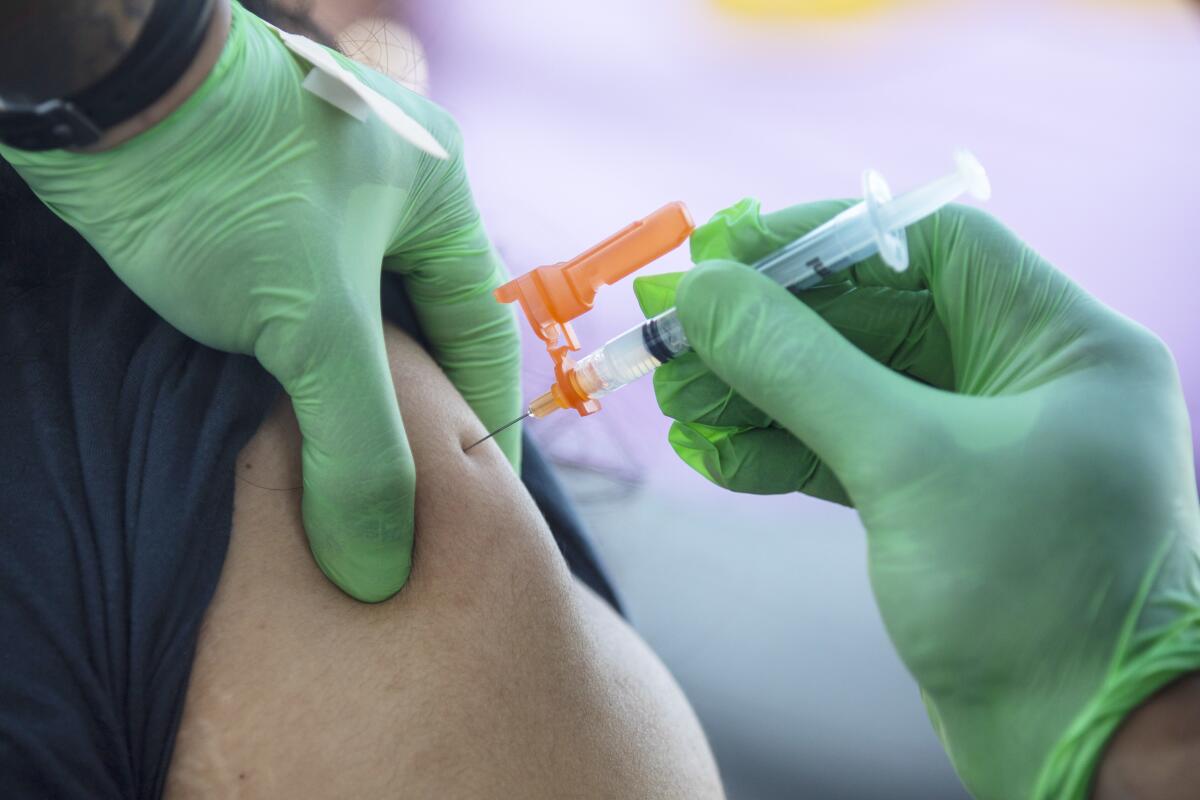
(553, 295)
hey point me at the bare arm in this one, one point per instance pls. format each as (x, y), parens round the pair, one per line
(493, 674)
(1155, 754)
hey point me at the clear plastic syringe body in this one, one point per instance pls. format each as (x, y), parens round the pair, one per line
(875, 225)
(798, 265)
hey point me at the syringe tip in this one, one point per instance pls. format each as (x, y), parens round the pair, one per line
(544, 406)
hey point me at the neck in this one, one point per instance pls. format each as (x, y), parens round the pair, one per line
(206, 58)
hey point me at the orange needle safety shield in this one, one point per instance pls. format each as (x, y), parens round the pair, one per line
(551, 296)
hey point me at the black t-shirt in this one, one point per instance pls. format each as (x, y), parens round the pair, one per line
(118, 437)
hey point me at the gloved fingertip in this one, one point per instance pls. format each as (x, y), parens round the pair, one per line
(656, 293)
(365, 553)
(694, 449)
(720, 236)
(374, 594)
(369, 585)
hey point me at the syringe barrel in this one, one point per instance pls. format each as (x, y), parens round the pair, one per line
(636, 352)
(844, 240)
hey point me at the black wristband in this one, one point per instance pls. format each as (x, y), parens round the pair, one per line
(165, 48)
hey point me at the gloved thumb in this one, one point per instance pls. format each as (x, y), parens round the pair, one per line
(781, 356)
(359, 476)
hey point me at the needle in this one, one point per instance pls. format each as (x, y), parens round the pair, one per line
(502, 427)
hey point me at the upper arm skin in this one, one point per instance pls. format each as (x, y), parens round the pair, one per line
(492, 674)
(1155, 753)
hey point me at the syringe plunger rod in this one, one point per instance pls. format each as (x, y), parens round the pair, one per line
(913, 206)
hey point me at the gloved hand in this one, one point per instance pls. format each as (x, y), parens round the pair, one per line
(256, 219)
(1018, 453)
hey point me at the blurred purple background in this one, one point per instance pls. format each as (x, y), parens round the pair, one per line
(580, 117)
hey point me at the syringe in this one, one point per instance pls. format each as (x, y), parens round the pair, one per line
(874, 225)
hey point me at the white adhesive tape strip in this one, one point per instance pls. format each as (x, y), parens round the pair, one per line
(339, 87)
(336, 93)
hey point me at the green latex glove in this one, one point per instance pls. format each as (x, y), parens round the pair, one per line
(1019, 455)
(256, 219)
